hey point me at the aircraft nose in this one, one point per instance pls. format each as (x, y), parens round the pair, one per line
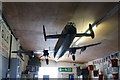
(72, 30)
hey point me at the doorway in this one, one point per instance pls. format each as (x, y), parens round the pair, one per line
(48, 72)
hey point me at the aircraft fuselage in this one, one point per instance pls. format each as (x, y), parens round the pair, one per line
(63, 44)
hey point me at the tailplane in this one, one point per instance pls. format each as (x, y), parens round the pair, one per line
(44, 33)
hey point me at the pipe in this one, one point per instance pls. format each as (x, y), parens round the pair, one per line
(9, 59)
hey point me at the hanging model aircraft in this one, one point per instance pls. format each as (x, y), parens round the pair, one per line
(66, 38)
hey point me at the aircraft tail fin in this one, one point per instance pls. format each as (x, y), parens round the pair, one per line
(44, 33)
(91, 30)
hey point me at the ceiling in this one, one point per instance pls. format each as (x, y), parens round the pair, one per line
(26, 21)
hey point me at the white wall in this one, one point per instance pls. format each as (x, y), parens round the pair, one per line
(61, 64)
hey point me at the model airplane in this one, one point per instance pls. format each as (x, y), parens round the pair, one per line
(66, 38)
(44, 52)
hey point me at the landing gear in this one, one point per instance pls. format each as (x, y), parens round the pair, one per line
(73, 57)
(47, 61)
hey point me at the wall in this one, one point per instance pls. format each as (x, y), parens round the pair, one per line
(0, 65)
(105, 66)
(0, 7)
(0, 48)
(25, 62)
(4, 48)
(15, 47)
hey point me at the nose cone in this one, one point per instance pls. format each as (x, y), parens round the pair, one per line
(72, 30)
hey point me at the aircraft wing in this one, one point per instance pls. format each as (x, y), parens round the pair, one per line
(52, 36)
(84, 46)
(29, 52)
(82, 34)
(33, 52)
(55, 36)
(86, 34)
